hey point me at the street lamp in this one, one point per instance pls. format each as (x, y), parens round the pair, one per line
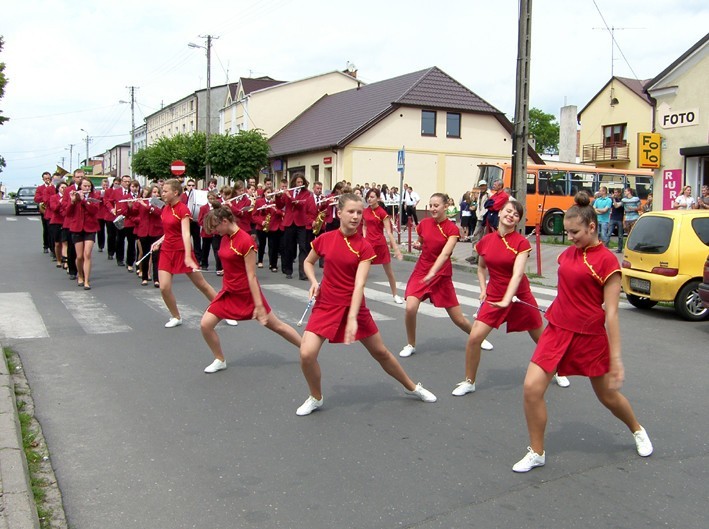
(208, 128)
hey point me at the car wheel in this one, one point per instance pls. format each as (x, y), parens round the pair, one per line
(17, 212)
(639, 302)
(688, 304)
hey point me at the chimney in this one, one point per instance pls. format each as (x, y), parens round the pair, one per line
(568, 136)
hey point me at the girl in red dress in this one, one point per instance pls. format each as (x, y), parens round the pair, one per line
(240, 297)
(376, 223)
(432, 277)
(583, 334)
(503, 255)
(340, 313)
(176, 256)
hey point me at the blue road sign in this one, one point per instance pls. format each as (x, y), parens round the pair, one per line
(400, 160)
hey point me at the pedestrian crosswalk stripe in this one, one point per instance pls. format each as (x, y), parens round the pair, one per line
(191, 317)
(20, 318)
(11, 219)
(424, 308)
(93, 316)
(302, 295)
(35, 219)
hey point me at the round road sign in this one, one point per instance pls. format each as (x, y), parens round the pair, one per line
(177, 167)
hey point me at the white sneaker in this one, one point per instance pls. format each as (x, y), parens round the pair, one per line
(486, 346)
(563, 382)
(309, 406)
(174, 322)
(422, 393)
(233, 323)
(215, 366)
(407, 351)
(398, 299)
(463, 388)
(642, 442)
(531, 460)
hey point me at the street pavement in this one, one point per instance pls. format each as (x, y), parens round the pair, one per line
(140, 437)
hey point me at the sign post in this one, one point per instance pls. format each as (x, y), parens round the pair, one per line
(178, 168)
(400, 165)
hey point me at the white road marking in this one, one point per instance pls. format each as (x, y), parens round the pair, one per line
(20, 318)
(152, 298)
(93, 316)
(34, 219)
(302, 295)
(11, 219)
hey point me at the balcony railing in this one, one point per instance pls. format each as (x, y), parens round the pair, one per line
(598, 152)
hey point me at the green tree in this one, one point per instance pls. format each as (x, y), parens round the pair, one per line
(3, 82)
(154, 162)
(240, 156)
(545, 130)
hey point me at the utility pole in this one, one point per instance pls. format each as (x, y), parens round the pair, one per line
(132, 128)
(208, 128)
(88, 139)
(521, 124)
(71, 155)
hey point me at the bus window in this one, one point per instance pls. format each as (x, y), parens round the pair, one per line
(581, 182)
(489, 173)
(611, 181)
(641, 184)
(531, 183)
(552, 183)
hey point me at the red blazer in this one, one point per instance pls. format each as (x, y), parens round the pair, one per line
(203, 210)
(300, 210)
(149, 221)
(242, 211)
(66, 199)
(129, 209)
(83, 215)
(54, 208)
(42, 195)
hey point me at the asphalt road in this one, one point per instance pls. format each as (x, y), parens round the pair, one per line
(140, 437)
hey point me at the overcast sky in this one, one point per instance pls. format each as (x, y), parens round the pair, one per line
(69, 63)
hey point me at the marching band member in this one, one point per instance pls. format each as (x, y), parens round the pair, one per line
(128, 207)
(56, 220)
(41, 197)
(240, 297)
(376, 223)
(340, 313)
(241, 206)
(83, 210)
(149, 230)
(583, 334)
(432, 277)
(71, 250)
(300, 211)
(209, 240)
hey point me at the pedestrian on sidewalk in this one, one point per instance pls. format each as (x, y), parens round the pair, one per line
(340, 313)
(617, 218)
(583, 334)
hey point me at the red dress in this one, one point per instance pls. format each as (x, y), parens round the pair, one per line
(172, 249)
(500, 254)
(234, 300)
(575, 342)
(342, 257)
(440, 289)
(374, 220)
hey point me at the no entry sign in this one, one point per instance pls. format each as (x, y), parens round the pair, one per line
(177, 167)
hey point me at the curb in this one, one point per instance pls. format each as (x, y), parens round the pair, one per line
(17, 506)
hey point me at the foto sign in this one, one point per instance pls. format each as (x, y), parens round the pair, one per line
(178, 168)
(649, 150)
(685, 118)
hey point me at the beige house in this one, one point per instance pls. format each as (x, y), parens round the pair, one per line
(355, 135)
(681, 94)
(270, 105)
(610, 123)
(186, 115)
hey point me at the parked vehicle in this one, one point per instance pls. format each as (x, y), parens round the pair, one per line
(24, 201)
(704, 286)
(664, 260)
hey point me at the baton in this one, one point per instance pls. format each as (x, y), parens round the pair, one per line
(515, 299)
(307, 308)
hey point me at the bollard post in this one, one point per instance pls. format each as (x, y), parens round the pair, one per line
(409, 224)
(538, 239)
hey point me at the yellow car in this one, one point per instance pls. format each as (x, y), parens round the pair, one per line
(664, 261)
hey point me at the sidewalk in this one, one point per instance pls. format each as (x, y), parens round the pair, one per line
(17, 507)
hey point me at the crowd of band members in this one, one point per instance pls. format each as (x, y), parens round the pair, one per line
(282, 219)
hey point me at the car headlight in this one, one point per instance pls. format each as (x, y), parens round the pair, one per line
(19, 202)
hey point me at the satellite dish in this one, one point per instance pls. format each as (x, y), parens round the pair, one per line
(351, 67)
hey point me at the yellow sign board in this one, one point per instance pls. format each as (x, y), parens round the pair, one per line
(649, 150)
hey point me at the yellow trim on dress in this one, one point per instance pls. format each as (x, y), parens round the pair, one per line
(504, 240)
(172, 210)
(590, 267)
(347, 242)
(231, 247)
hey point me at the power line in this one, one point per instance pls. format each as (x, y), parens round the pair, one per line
(612, 30)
